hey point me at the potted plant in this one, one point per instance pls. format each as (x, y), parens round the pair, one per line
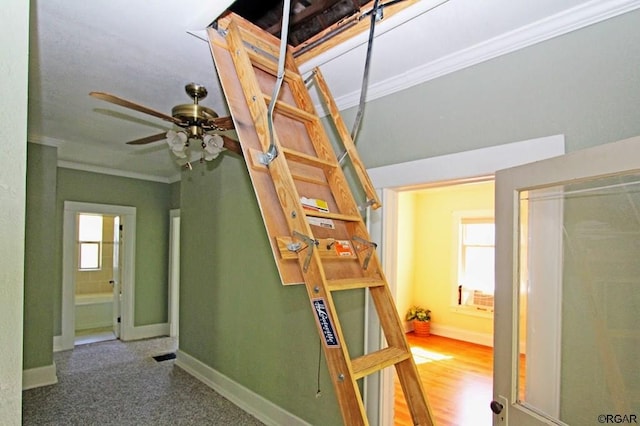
(421, 318)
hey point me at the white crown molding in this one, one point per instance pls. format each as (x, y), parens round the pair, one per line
(44, 140)
(58, 143)
(565, 22)
(114, 172)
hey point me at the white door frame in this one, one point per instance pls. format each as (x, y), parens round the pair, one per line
(390, 180)
(117, 280)
(174, 271)
(605, 160)
(69, 261)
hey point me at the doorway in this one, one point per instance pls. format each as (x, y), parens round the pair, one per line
(388, 180)
(174, 271)
(119, 306)
(97, 278)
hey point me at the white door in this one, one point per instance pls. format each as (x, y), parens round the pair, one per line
(567, 330)
(116, 282)
(174, 272)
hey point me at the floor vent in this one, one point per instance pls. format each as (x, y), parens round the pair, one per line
(170, 355)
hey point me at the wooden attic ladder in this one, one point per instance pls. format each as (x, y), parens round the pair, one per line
(327, 249)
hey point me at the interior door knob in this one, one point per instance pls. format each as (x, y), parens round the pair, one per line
(496, 407)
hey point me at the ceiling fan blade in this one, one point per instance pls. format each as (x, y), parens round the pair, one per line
(128, 104)
(148, 139)
(220, 123)
(231, 145)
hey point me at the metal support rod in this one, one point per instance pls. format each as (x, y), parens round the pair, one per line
(365, 79)
(272, 152)
(375, 15)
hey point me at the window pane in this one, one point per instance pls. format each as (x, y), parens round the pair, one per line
(89, 227)
(89, 255)
(478, 272)
(478, 233)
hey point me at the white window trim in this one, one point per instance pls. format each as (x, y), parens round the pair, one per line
(97, 242)
(456, 219)
(89, 269)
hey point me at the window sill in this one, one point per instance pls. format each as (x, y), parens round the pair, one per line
(474, 311)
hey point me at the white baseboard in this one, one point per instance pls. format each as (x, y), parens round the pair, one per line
(94, 324)
(57, 344)
(264, 410)
(145, 332)
(134, 333)
(39, 376)
(485, 339)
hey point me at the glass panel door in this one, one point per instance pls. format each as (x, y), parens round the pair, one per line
(568, 289)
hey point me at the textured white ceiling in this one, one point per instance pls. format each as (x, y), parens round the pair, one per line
(142, 51)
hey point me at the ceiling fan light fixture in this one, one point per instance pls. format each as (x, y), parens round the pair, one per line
(212, 145)
(177, 141)
(194, 120)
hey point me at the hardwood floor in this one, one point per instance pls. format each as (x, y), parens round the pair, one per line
(457, 378)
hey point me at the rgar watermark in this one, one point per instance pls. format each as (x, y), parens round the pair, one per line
(618, 418)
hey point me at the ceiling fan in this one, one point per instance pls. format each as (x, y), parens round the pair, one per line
(195, 122)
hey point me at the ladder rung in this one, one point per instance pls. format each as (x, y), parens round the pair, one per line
(301, 175)
(310, 160)
(376, 361)
(268, 65)
(351, 283)
(291, 111)
(325, 248)
(335, 216)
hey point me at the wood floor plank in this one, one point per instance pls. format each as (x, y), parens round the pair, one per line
(457, 377)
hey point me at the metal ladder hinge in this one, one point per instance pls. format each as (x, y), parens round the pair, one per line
(370, 246)
(366, 204)
(297, 247)
(311, 77)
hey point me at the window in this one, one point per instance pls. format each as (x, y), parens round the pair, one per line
(89, 242)
(476, 253)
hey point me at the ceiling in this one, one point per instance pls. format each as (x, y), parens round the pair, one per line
(147, 51)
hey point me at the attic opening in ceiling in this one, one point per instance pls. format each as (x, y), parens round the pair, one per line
(315, 25)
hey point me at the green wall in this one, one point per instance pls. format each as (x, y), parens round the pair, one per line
(40, 256)
(174, 191)
(584, 84)
(152, 202)
(235, 315)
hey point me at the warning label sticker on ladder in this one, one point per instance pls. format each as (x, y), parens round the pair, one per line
(343, 248)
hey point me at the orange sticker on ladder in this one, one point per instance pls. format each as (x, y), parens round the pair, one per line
(343, 248)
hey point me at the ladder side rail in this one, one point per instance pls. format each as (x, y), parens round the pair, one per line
(390, 320)
(393, 330)
(341, 367)
(348, 143)
(347, 391)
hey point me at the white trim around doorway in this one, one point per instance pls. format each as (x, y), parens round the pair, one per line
(458, 167)
(128, 214)
(174, 272)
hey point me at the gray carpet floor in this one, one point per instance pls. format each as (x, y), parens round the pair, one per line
(116, 383)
